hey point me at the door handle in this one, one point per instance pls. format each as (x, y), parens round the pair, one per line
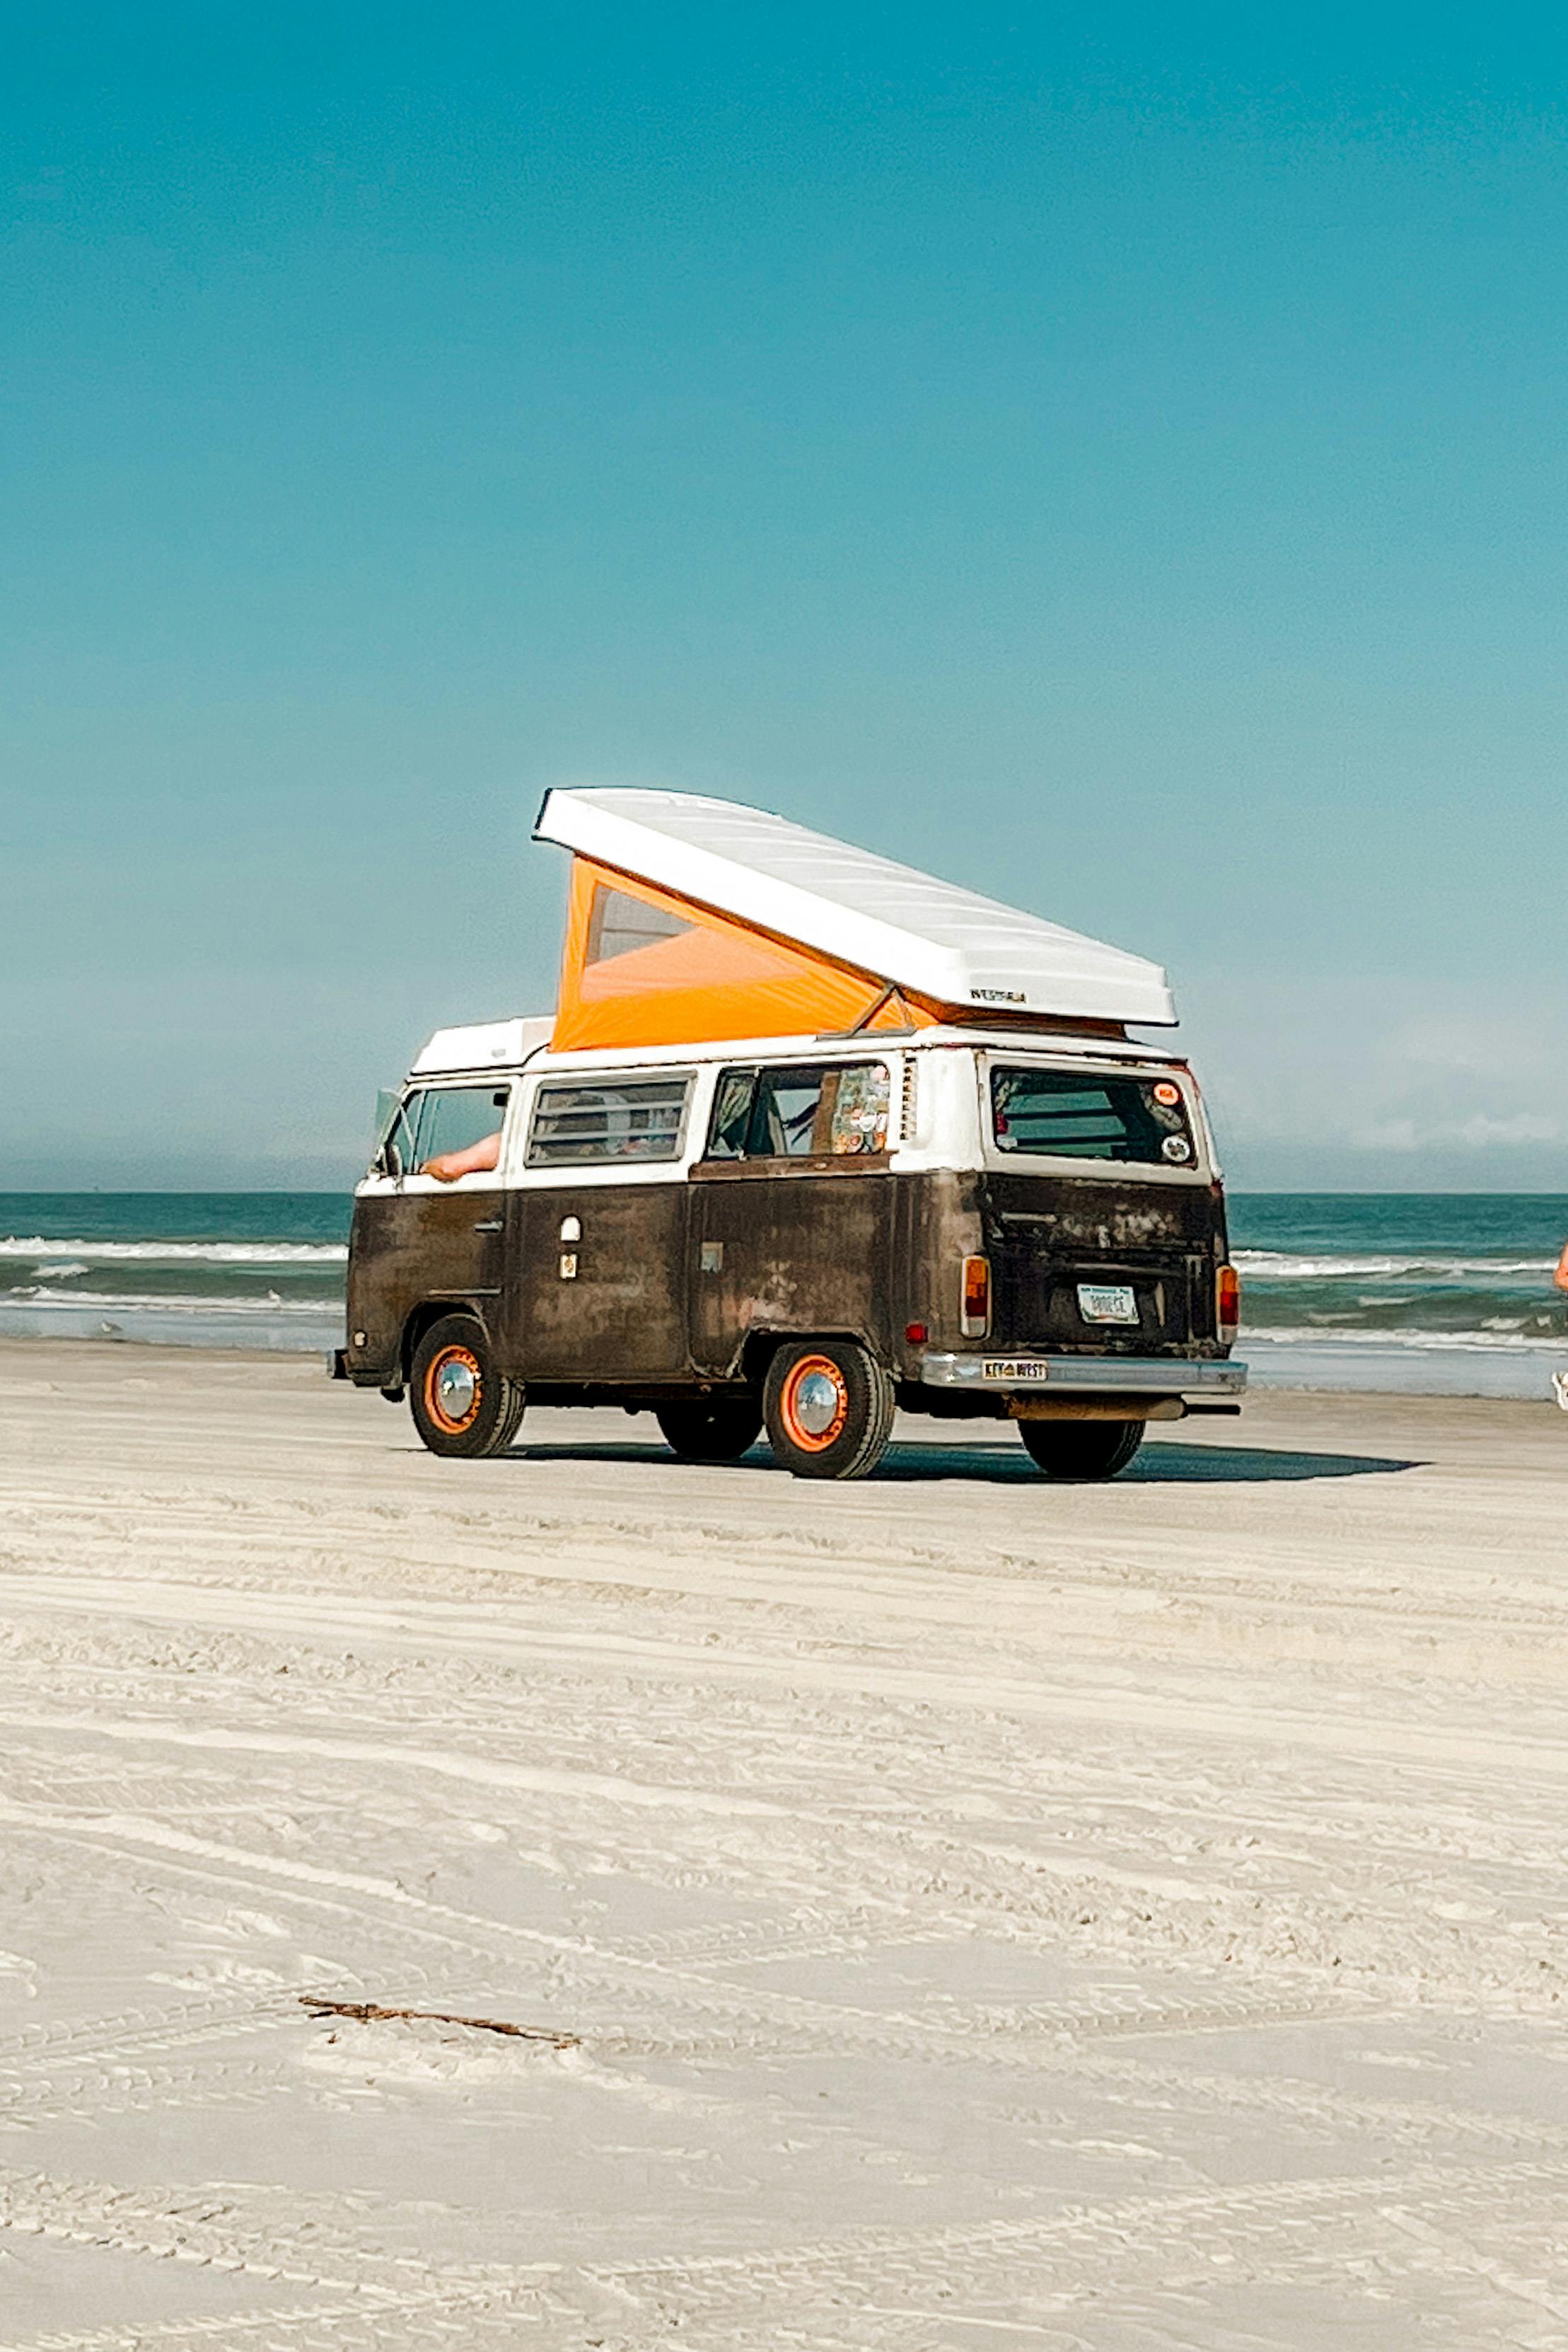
(488, 1225)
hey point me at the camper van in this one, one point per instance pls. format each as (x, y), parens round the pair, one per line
(811, 1137)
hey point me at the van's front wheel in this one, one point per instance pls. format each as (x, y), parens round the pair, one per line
(716, 1429)
(461, 1403)
(1081, 1450)
(828, 1404)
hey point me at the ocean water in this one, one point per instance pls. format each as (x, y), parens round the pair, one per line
(1441, 1293)
(191, 1269)
(1447, 1293)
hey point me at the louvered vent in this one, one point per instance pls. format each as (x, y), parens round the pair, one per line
(909, 1100)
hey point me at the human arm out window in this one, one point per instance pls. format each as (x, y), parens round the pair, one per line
(451, 1131)
(473, 1159)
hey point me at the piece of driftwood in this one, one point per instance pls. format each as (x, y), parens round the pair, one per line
(370, 2013)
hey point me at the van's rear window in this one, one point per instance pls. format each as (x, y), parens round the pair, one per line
(1091, 1115)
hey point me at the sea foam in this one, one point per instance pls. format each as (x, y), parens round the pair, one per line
(153, 1253)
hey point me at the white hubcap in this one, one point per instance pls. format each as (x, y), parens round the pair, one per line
(454, 1387)
(816, 1404)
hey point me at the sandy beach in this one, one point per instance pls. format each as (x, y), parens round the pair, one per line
(951, 1910)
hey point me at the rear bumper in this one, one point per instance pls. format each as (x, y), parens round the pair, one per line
(1085, 1375)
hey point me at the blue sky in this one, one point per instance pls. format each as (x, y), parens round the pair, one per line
(1114, 459)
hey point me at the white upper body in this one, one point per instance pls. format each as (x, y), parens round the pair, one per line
(937, 1091)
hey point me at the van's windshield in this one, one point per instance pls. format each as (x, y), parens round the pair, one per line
(1091, 1115)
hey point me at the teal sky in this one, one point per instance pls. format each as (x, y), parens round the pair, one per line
(1118, 459)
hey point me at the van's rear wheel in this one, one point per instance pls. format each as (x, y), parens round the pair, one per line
(828, 1404)
(1081, 1450)
(711, 1429)
(461, 1403)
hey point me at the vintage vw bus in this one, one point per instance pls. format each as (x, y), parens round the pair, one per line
(810, 1137)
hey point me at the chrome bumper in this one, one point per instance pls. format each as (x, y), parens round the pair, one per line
(1097, 1375)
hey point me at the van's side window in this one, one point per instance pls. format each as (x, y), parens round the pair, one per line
(800, 1111)
(579, 1121)
(436, 1121)
(731, 1114)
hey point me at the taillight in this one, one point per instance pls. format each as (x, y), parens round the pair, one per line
(976, 1318)
(1228, 1300)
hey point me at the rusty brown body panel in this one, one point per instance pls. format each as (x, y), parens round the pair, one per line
(407, 1250)
(806, 1249)
(1045, 1234)
(608, 1306)
(672, 1286)
(939, 1224)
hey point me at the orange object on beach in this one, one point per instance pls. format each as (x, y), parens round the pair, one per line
(1560, 1277)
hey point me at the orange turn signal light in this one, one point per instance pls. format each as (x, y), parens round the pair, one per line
(975, 1316)
(1227, 1299)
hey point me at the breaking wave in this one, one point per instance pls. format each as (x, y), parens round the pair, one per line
(183, 1302)
(1281, 1265)
(161, 1253)
(1396, 1335)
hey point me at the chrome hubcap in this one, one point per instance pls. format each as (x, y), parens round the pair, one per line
(816, 1404)
(456, 1389)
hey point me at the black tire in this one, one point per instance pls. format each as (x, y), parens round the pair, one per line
(1080, 1451)
(461, 1403)
(711, 1429)
(828, 1405)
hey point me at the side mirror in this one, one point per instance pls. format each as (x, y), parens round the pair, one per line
(385, 1160)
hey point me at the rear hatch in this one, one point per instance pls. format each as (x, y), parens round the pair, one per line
(1104, 1220)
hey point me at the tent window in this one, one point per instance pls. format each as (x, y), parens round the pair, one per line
(618, 923)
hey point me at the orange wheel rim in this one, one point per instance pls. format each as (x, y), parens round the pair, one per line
(453, 1389)
(813, 1404)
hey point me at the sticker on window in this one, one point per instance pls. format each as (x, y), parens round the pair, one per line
(1049, 1112)
(858, 1117)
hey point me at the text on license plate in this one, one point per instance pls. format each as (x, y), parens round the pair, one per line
(1107, 1302)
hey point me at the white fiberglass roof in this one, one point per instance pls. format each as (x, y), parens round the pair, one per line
(483, 1044)
(906, 927)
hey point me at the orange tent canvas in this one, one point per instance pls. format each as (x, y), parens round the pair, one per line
(645, 967)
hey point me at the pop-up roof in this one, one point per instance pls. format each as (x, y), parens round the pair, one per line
(694, 919)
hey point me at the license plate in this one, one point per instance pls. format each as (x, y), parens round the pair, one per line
(1107, 1302)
